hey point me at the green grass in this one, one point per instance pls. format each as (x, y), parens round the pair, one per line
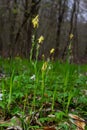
(58, 90)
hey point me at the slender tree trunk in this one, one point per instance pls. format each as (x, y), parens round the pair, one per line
(61, 10)
(71, 31)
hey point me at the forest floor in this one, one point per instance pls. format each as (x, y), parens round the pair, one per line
(42, 95)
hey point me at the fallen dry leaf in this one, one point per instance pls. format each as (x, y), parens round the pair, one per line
(79, 122)
(49, 128)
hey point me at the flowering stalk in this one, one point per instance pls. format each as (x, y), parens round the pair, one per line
(43, 69)
(35, 43)
(70, 56)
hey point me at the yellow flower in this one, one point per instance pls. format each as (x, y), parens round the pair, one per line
(44, 66)
(52, 51)
(40, 39)
(35, 21)
(71, 36)
(43, 56)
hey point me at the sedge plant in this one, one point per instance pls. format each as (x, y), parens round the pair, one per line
(10, 91)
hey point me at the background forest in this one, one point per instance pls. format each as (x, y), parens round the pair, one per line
(57, 20)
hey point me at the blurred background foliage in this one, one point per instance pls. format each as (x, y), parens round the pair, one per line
(57, 20)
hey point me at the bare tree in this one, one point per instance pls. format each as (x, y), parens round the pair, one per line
(73, 28)
(62, 7)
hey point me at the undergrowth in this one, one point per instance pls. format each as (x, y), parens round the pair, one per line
(50, 92)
